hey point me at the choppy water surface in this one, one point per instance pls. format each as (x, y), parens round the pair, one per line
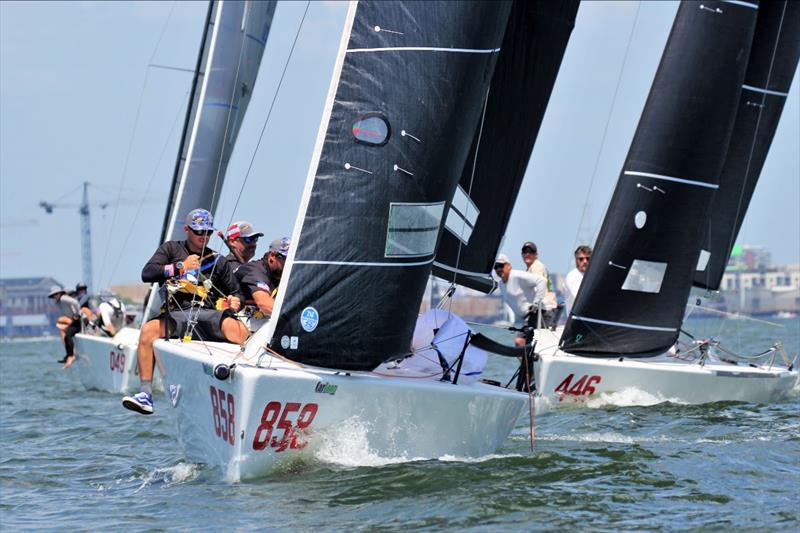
(72, 459)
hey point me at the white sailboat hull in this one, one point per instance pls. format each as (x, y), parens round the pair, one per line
(282, 412)
(110, 363)
(566, 378)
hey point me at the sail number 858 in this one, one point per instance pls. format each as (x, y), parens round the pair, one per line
(278, 417)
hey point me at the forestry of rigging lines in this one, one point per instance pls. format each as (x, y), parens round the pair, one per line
(86, 227)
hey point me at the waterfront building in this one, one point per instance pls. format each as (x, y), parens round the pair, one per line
(25, 309)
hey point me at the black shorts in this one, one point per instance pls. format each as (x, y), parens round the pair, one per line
(207, 328)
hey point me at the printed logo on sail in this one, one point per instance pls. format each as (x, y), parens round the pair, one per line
(323, 387)
(285, 342)
(309, 319)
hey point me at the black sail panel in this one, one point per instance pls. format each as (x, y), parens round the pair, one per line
(770, 70)
(410, 92)
(633, 295)
(534, 44)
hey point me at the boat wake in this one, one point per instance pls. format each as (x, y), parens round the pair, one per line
(481, 459)
(169, 476)
(348, 445)
(629, 397)
(607, 437)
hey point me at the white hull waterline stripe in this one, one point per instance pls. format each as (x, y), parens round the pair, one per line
(670, 178)
(764, 91)
(741, 3)
(426, 49)
(622, 324)
(459, 271)
(361, 263)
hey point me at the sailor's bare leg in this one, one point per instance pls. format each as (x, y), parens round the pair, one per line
(62, 324)
(234, 330)
(151, 331)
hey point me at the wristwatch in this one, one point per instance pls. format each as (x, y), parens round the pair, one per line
(179, 265)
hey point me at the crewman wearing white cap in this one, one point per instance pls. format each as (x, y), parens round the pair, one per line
(242, 240)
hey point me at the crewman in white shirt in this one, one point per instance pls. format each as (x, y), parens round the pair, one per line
(522, 291)
(575, 276)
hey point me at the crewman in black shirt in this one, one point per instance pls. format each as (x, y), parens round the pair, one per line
(259, 280)
(201, 277)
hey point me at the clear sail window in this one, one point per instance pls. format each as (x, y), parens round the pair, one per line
(462, 215)
(372, 129)
(702, 261)
(645, 276)
(413, 229)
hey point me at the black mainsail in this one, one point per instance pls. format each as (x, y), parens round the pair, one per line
(477, 216)
(406, 97)
(230, 54)
(770, 69)
(632, 298)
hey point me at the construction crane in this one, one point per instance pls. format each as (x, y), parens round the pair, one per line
(86, 230)
(86, 225)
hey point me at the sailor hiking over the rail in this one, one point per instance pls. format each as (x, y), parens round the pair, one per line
(259, 281)
(69, 323)
(201, 297)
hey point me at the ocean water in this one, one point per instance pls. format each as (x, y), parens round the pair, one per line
(72, 459)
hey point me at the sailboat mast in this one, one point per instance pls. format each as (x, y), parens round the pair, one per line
(173, 187)
(169, 216)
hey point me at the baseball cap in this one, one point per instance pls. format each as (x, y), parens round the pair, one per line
(280, 246)
(200, 220)
(530, 245)
(501, 259)
(242, 228)
(55, 289)
(81, 286)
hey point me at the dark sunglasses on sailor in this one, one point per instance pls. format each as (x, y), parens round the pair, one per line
(203, 232)
(498, 266)
(581, 259)
(249, 240)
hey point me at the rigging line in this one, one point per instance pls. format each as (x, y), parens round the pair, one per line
(758, 122)
(67, 194)
(225, 139)
(471, 183)
(147, 189)
(605, 130)
(752, 148)
(269, 112)
(135, 128)
(266, 121)
(189, 320)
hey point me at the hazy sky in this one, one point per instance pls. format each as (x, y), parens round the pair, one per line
(77, 102)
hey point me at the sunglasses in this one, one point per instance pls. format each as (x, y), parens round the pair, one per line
(527, 251)
(499, 266)
(581, 259)
(203, 232)
(249, 240)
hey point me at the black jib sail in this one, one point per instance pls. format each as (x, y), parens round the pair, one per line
(230, 55)
(478, 213)
(406, 96)
(770, 69)
(632, 298)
